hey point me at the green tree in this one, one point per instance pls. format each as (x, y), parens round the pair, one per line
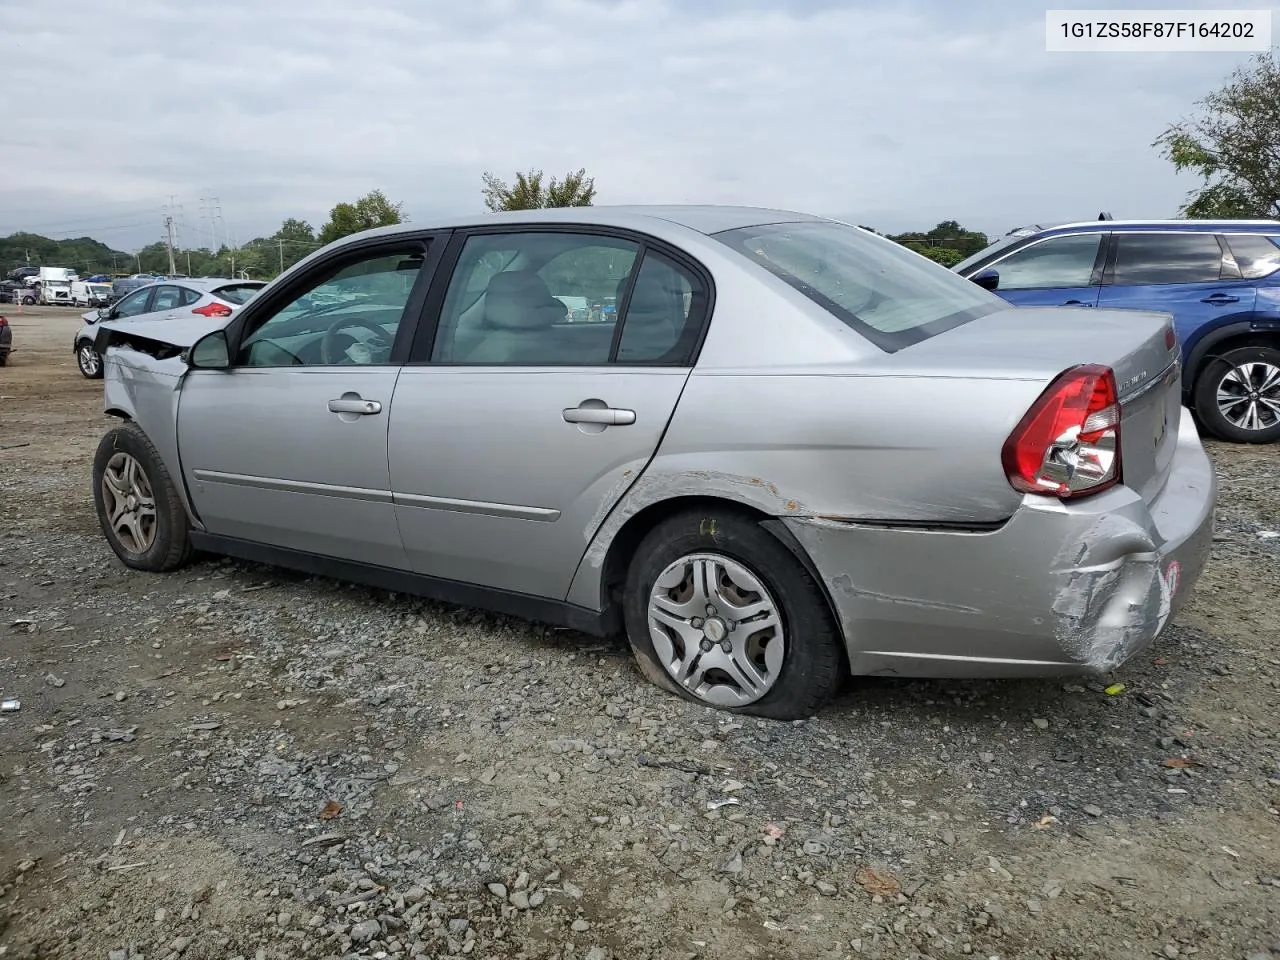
(948, 235)
(1233, 145)
(530, 193)
(371, 210)
(83, 254)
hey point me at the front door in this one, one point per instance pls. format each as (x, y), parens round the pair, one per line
(526, 421)
(1059, 271)
(1185, 274)
(289, 446)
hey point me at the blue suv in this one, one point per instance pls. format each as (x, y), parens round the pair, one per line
(1220, 279)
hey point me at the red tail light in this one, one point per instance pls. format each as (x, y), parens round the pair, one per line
(213, 310)
(1068, 443)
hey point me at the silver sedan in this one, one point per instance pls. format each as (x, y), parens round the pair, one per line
(793, 451)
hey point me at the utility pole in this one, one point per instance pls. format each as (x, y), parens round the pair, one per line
(168, 242)
(281, 244)
(188, 263)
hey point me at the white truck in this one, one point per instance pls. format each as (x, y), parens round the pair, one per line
(55, 285)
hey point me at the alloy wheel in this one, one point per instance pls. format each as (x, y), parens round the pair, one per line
(90, 362)
(1248, 395)
(130, 503)
(717, 629)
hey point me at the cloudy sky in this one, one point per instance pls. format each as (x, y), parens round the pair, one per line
(896, 114)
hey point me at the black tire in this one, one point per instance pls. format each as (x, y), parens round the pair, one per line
(29, 301)
(814, 665)
(1205, 395)
(4, 358)
(171, 546)
(92, 373)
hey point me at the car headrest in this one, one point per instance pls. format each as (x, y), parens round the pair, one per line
(520, 300)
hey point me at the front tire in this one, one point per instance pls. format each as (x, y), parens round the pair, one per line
(88, 360)
(718, 611)
(138, 505)
(1237, 395)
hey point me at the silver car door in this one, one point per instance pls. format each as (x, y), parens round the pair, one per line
(288, 447)
(529, 422)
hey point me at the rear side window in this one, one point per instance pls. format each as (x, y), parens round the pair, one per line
(1149, 258)
(888, 294)
(1256, 255)
(239, 293)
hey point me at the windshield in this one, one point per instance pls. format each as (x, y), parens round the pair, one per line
(887, 293)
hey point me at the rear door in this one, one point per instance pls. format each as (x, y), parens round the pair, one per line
(288, 447)
(1188, 274)
(520, 425)
(1057, 271)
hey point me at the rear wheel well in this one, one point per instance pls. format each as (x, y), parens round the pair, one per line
(623, 547)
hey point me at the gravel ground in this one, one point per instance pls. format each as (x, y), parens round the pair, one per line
(237, 761)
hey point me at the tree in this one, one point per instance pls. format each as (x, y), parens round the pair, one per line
(371, 210)
(1233, 145)
(529, 193)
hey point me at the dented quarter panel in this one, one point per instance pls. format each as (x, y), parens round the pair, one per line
(145, 389)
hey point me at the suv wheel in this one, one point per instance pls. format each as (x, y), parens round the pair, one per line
(1237, 395)
(88, 360)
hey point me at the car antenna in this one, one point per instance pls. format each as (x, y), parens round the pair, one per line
(1105, 216)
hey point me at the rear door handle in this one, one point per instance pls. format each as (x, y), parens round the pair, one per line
(355, 405)
(1076, 303)
(1220, 298)
(609, 416)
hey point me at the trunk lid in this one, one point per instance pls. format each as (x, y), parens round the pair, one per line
(1038, 343)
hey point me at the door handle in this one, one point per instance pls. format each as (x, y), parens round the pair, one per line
(609, 416)
(355, 405)
(1076, 303)
(1220, 298)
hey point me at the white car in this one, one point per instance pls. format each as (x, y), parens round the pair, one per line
(163, 300)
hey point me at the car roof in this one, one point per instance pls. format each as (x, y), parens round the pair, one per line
(1179, 226)
(704, 218)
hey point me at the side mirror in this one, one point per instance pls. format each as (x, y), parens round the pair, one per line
(986, 279)
(210, 352)
(104, 313)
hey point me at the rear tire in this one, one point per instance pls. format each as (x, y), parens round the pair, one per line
(88, 360)
(138, 505)
(784, 661)
(1231, 394)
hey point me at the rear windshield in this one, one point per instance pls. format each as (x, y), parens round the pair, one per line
(239, 293)
(884, 291)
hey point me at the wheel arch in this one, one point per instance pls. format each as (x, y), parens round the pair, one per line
(1215, 343)
(623, 544)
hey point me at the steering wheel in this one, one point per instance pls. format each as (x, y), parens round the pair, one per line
(328, 345)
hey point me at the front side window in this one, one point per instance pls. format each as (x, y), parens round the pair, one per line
(134, 304)
(1057, 262)
(1151, 258)
(885, 292)
(533, 299)
(348, 317)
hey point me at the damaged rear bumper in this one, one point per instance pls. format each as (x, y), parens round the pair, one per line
(1058, 589)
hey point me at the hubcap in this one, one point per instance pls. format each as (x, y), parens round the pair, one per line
(129, 502)
(1249, 396)
(717, 629)
(88, 359)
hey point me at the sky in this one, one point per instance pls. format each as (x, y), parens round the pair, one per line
(893, 115)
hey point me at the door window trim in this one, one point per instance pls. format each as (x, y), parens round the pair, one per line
(1095, 275)
(427, 330)
(275, 298)
(1109, 274)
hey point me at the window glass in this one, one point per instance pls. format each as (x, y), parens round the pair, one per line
(662, 313)
(1146, 258)
(350, 317)
(167, 298)
(239, 293)
(533, 299)
(887, 293)
(189, 296)
(1057, 262)
(133, 304)
(1256, 255)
